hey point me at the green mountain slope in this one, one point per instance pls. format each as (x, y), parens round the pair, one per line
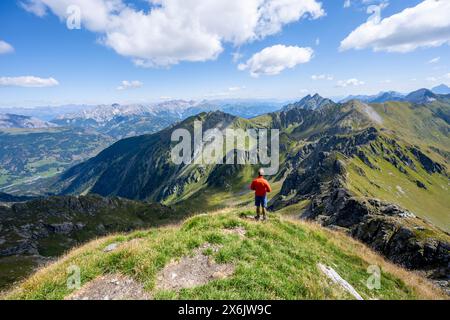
(141, 167)
(279, 259)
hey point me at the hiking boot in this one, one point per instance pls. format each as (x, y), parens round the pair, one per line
(264, 218)
(257, 218)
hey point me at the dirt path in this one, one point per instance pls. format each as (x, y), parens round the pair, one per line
(192, 271)
(111, 287)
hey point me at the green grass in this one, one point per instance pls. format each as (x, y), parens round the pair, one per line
(391, 185)
(15, 268)
(238, 194)
(276, 260)
(416, 124)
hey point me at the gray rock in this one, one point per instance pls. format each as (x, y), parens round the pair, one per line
(111, 247)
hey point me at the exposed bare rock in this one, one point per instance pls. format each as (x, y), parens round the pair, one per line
(111, 287)
(192, 271)
(336, 278)
(240, 231)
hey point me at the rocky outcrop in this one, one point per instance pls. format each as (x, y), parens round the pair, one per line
(429, 165)
(31, 228)
(403, 246)
(386, 227)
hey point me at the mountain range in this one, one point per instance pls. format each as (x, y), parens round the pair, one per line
(8, 121)
(397, 96)
(378, 172)
(441, 89)
(33, 150)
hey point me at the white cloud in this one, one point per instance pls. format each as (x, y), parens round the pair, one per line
(5, 47)
(28, 82)
(350, 83)
(434, 60)
(425, 25)
(273, 60)
(225, 93)
(359, 3)
(130, 85)
(237, 88)
(316, 77)
(237, 56)
(438, 78)
(183, 30)
(36, 7)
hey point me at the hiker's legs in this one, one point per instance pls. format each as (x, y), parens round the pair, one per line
(258, 212)
(264, 208)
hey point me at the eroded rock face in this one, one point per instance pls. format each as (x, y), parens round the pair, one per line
(429, 165)
(27, 228)
(401, 245)
(385, 227)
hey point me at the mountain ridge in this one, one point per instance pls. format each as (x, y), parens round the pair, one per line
(8, 121)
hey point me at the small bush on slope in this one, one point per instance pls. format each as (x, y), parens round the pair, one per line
(275, 260)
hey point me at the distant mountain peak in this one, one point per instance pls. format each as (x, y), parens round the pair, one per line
(381, 97)
(310, 103)
(421, 96)
(441, 89)
(22, 122)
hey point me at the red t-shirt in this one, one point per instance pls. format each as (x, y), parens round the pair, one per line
(260, 186)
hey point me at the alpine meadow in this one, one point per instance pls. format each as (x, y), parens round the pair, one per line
(225, 150)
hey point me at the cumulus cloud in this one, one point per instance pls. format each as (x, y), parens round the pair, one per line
(5, 47)
(130, 85)
(182, 30)
(273, 60)
(317, 77)
(425, 25)
(28, 82)
(350, 83)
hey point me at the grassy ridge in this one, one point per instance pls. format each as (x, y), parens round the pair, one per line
(275, 260)
(387, 182)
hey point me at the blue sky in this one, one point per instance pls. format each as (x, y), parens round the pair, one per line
(283, 57)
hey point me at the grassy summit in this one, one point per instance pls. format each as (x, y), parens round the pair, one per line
(274, 260)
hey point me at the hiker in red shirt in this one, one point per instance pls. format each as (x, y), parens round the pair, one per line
(261, 188)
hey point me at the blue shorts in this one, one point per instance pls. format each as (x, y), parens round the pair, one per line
(261, 201)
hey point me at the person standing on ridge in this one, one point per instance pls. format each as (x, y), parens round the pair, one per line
(261, 188)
